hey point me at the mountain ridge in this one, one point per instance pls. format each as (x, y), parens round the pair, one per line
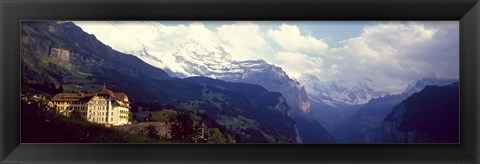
(371, 115)
(192, 58)
(62, 54)
(412, 121)
(340, 92)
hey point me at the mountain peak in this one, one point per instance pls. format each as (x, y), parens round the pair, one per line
(201, 51)
(340, 92)
(422, 83)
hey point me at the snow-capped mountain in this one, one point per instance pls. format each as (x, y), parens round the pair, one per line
(340, 92)
(422, 83)
(192, 58)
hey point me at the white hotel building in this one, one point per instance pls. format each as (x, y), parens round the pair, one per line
(103, 107)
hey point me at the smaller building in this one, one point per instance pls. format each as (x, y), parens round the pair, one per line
(103, 107)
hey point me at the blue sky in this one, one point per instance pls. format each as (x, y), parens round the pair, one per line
(392, 54)
(332, 31)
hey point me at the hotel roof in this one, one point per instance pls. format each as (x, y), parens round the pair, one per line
(85, 97)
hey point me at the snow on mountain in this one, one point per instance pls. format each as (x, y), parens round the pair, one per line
(340, 92)
(194, 58)
(422, 83)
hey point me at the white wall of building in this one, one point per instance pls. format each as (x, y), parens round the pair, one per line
(100, 109)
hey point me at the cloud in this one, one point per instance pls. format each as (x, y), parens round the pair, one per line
(290, 39)
(244, 40)
(296, 64)
(394, 54)
(112, 35)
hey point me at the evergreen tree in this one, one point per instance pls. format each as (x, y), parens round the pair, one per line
(183, 128)
(215, 136)
(60, 89)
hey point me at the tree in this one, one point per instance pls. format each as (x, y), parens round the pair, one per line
(51, 87)
(130, 117)
(60, 89)
(230, 139)
(150, 116)
(215, 136)
(76, 114)
(152, 132)
(133, 117)
(159, 117)
(183, 128)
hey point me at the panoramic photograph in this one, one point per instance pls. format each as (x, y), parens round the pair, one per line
(240, 82)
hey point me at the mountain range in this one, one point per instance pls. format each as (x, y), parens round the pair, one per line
(255, 101)
(324, 106)
(429, 116)
(333, 102)
(340, 92)
(62, 54)
(357, 128)
(193, 58)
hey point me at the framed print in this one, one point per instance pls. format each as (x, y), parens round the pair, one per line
(240, 81)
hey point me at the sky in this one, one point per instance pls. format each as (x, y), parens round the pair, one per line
(392, 54)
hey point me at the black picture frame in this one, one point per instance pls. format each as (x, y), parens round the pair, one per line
(13, 11)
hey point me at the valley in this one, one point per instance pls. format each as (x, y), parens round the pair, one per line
(209, 97)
